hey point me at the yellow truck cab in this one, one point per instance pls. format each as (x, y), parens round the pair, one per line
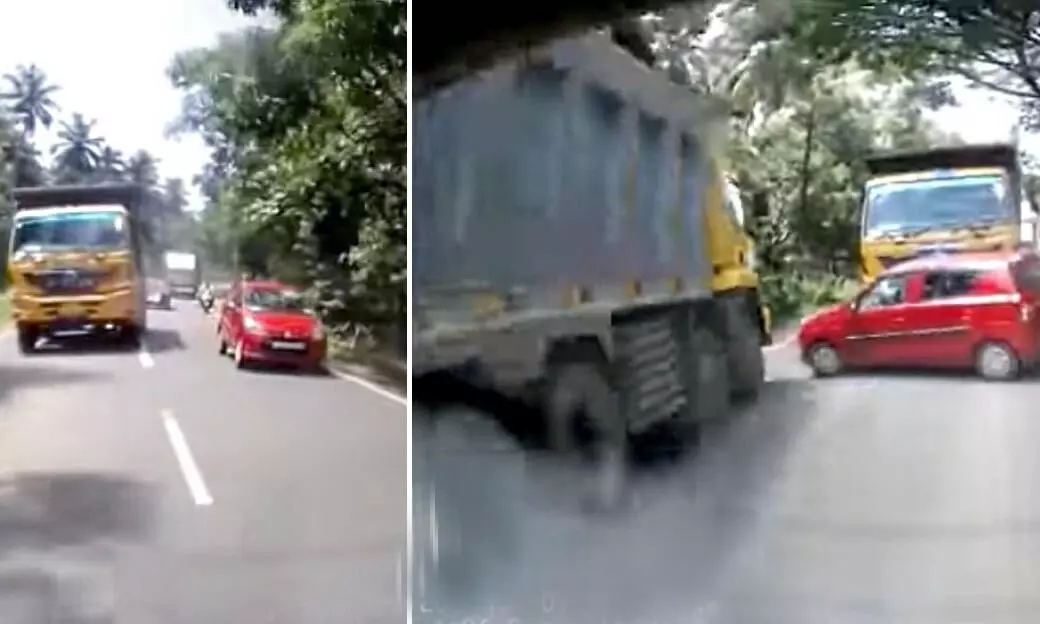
(948, 200)
(75, 263)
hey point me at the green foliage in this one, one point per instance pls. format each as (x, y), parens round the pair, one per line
(994, 45)
(799, 131)
(307, 124)
(791, 295)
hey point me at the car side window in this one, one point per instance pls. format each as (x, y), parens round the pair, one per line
(887, 291)
(947, 284)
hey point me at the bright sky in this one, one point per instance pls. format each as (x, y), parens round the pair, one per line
(983, 117)
(109, 57)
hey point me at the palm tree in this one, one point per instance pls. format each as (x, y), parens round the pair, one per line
(29, 98)
(175, 196)
(78, 151)
(110, 166)
(142, 168)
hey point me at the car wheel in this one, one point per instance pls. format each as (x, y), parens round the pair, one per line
(221, 344)
(825, 360)
(996, 361)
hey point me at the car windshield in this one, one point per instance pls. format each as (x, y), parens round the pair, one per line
(101, 230)
(272, 299)
(920, 205)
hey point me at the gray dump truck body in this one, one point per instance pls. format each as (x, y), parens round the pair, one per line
(558, 245)
(548, 194)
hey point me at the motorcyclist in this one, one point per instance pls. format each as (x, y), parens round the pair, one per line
(206, 295)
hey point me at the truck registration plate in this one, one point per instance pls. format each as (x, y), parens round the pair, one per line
(69, 312)
(283, 345)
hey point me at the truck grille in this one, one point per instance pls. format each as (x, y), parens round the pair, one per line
(66, 281)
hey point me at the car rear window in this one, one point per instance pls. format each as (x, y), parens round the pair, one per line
(949, 284)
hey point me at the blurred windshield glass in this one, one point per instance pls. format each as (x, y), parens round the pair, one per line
(936, 203)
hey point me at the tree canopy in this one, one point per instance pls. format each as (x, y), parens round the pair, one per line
(307, 127)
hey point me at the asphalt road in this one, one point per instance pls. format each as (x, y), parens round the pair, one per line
(898, 498)
(164, 486)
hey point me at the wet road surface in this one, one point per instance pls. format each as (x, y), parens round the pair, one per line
(165, 486)
(906, 498)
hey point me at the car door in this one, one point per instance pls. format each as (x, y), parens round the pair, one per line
(941, 322)
(231, 313)
(878, 333)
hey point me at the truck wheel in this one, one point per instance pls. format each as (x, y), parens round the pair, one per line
(709, 395)
(132, 336)
(581, 400)
(27, 338)
(744, 352)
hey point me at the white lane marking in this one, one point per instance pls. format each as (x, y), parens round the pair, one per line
(145, 358)
(192, 475)
(368, 385)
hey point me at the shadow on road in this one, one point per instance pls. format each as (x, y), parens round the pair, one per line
(163, 340)
(505, 528)
(15, 376)
(57, 533)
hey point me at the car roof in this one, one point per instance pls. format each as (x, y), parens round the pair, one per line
(978, 261)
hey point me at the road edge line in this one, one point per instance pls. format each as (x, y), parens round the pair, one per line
(368, 385)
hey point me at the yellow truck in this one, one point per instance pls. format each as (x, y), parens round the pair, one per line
(75, 263)
(946, 200)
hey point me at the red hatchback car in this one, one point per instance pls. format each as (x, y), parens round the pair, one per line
(266, 322)
(975, 311)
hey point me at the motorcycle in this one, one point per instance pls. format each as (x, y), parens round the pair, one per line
(206, 302)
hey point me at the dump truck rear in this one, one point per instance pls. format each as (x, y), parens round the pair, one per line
(560, 250)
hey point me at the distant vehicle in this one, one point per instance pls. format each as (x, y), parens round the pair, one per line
(75, 263)
(159, 293)
(969, 310)
(268, 322)
(183, 272)
(964, 198)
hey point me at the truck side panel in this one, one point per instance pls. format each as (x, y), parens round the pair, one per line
(532, 177)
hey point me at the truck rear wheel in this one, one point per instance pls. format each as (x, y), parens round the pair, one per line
(586, 426)
(27, 337)
(132, 336)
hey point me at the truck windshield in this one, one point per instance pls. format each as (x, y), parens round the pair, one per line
(102, 230)
(922, 205)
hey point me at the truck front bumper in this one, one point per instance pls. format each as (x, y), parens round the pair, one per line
(117, 308)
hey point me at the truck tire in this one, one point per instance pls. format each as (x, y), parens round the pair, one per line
(710, 383)
(132, 336)
(27, 337)
(743, 344)
(580, 394)
(747, 364)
